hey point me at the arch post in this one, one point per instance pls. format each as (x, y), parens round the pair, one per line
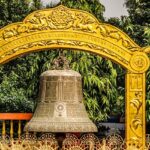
(135, 110)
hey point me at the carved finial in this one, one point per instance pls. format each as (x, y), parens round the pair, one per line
(61, 62)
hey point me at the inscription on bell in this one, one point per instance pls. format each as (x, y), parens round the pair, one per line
(51, 90)
(68, 91)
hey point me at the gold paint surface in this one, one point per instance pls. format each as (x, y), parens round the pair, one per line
(135, 109)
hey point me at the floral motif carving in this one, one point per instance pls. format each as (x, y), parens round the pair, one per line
(109, 32)
(63, 42)
(136, 102)
(8, 33)
(136, 108)
(87, 141)
(64, 18)
(139, 62)
(61, 18)
(135, 124)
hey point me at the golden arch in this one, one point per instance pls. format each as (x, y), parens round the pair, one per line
(62, 27)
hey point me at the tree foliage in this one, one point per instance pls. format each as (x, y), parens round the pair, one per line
(16, 10)
(19, 79)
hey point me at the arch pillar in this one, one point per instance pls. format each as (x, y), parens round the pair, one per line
(135, 110)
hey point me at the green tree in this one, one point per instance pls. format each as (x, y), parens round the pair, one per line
(12, 11)
(20, 77)
(13, 96)
(140, 18)
(16, 10)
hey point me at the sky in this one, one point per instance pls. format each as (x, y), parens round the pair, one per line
(114, 8)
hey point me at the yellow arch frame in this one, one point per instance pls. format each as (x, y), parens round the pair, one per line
(62, 27)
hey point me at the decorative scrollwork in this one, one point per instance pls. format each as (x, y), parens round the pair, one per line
(63, 18)
(114, 141)
(15, 145)
(135, 124)
(28, 136)
(91, 141)
(63, 42)
(139, 62)
(55, 19)
(47, 141)
(136, 102)
(71, 142)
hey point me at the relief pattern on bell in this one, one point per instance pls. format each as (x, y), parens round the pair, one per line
(60, 107)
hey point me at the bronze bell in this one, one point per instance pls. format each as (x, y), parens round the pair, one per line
(60, 107)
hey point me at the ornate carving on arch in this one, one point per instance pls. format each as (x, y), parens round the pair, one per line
(63, 18)
(135, 106)
(139, 62)
(59, 18)
(44, 43)
(136, 102)
(136, 121)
